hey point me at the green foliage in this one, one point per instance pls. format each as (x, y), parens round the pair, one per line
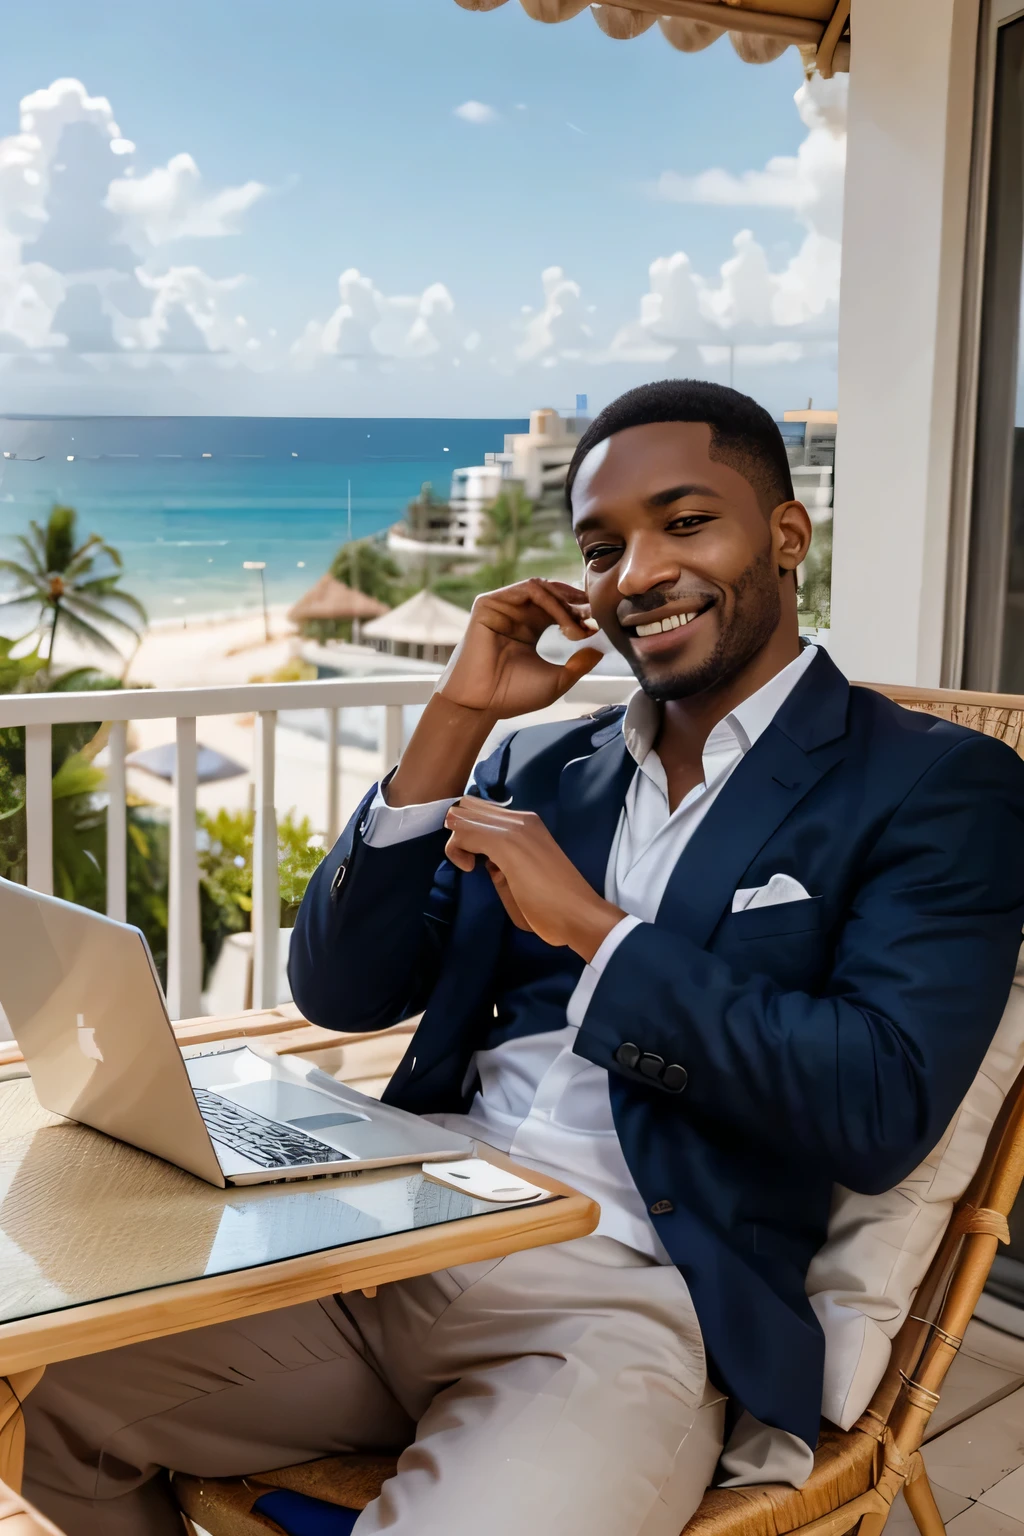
(59, 578)
(815, 603)
(79, 812)
(511, 531)
(225, 864)
(76, 586)
(365, 565)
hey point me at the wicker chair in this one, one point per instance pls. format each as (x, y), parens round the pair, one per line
(857, 1474)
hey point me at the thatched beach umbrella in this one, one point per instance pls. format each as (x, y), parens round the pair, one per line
(426, 627)
(333, 600)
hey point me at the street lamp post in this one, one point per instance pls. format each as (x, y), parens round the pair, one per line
(260, 565)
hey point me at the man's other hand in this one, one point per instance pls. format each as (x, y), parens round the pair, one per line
(540, 888)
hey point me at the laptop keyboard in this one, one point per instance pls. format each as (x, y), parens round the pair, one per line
(264, 1141)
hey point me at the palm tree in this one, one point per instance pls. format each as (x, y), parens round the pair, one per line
(511, 530)
(60, 579)
(364, 565)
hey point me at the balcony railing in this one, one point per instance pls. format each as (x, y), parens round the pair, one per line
(40, 712)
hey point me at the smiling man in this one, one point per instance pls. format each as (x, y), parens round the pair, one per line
(704, 959)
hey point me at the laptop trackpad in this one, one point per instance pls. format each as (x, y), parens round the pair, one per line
(292, 1104)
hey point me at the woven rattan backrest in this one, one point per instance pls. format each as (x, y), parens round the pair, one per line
(993, 714)
(950, 1291)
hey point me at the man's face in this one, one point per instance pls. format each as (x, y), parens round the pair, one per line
(682, 562)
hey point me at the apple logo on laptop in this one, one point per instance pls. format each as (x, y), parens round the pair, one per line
(87, 1040)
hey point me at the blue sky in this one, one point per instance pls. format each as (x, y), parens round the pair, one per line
(344, 114)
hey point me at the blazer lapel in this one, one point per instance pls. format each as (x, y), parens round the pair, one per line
(591, 792)
(802, 743)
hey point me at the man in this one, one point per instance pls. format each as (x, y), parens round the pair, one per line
(703, 959)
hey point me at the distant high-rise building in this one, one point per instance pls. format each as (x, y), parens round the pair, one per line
(581, 405)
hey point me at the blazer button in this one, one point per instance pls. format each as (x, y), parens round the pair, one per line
(662, 1208)
(675, 1078)
(652, 1066)
(627, 1056)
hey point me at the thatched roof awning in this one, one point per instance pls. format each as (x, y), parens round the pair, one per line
(332, 599)
(425, 619)
(759, 30)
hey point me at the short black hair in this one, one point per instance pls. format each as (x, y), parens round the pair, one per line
(743, 434)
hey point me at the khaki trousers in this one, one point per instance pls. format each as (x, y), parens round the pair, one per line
(554, 1392)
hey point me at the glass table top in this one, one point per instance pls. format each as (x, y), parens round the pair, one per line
(84, 1218)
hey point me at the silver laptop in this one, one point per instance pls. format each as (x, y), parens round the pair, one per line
(84, 1002)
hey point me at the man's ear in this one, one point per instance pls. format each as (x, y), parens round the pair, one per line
(791, 535)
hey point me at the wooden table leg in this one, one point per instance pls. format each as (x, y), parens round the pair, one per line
(13, 1392)
(20, 1519)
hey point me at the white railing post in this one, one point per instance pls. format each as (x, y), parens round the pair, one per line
(266, 890)
(392, 736)
(332, 721)
(184, 944)
(38, 713)
(117, 823)
(39, 807)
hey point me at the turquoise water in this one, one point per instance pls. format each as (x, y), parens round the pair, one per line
(187, 499)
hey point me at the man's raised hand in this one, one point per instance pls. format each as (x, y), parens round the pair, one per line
(496, 668)
(495, 673)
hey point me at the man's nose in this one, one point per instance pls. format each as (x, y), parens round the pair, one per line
(647, 563)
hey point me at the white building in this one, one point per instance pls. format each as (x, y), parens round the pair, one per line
(537, 460)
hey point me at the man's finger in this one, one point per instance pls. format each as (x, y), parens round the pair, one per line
(572, 596)
(469, 839)
(508, 901)
(476, 808)
(459, 856)
(576, 666)
(548, 597)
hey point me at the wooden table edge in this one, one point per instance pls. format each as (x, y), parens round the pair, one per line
(97, 1326)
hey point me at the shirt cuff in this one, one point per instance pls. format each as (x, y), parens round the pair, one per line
(386, 825)
(592, 973)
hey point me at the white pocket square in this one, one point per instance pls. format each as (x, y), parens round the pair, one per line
(780, 888)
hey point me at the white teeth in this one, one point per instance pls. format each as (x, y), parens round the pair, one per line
(672, 622)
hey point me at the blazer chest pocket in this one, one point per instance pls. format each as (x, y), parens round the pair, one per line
(777, 921)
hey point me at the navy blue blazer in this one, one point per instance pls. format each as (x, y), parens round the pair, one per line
(822, 1041)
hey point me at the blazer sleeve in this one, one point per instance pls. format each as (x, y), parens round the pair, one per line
(865, 1078)
(373, 926)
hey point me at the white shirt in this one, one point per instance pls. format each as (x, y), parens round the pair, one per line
(545, 1106)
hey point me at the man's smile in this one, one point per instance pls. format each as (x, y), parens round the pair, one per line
(662, 632)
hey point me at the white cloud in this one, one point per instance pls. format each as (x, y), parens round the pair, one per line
(810, 183)
(369, 325)
(46, 113)
(476, 112)
(756, 310)
(558, 330)
(171, 203)
(191, 312)
(79, 231)
(86, 290)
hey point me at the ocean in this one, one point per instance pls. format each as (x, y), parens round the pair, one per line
(186, 500)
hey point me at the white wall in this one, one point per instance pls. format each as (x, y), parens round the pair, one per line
(904, 230)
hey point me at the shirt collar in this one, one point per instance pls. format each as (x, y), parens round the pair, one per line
(739, 729)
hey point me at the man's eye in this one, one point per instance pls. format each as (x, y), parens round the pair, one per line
(599, 551)
(690, 521)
